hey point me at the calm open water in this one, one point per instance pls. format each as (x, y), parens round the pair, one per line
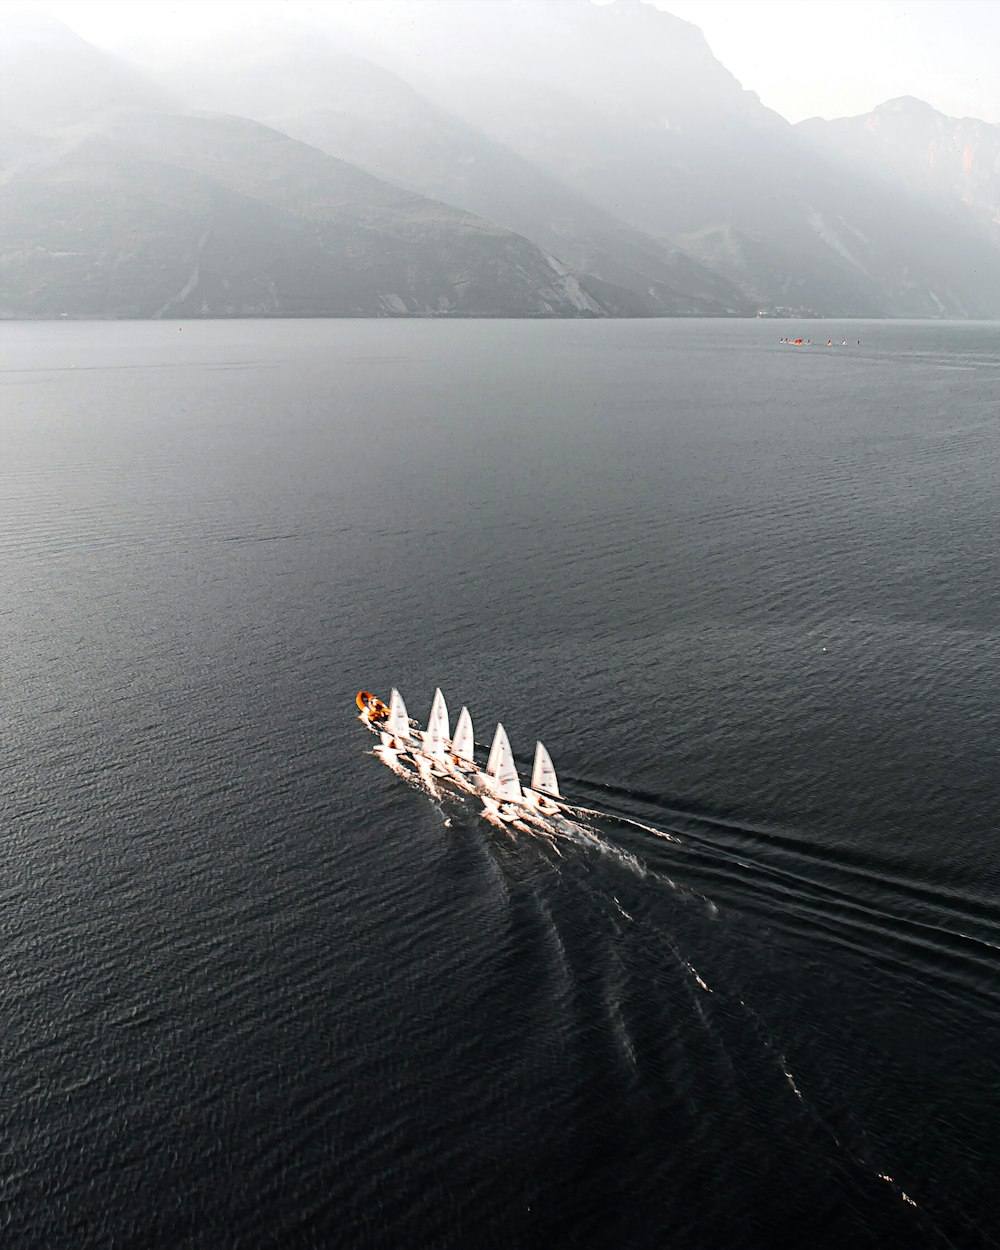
(257, 991)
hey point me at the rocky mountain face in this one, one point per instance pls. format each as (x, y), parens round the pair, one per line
(637, 116)
(158, 215)
(110, 206)
(525, 159)
(297, 81)
(953, 163)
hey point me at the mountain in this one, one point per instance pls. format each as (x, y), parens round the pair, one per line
(111, 207)
(299, 82)
(528, 159)
(626, 105)
(215, 216)
(952, 162)
(53, 77)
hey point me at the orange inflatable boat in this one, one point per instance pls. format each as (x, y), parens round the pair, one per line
(370, 707)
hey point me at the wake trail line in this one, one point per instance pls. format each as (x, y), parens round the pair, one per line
(854, 1156)
(592, 837)
(624, 820)
(548, 831)
(565, 827)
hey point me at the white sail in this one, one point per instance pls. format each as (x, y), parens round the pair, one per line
(543, 775)
(493, 763)
(463, 743)
(397, 723)
(436, 737)
(500, 769)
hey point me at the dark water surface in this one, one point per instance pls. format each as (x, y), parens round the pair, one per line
(257, 992)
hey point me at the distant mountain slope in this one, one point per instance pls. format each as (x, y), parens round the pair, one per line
(635, 114)
(51, 76)
(163, 215)
(953, 162)
(110, 206)
(294, 79)
(549, 159)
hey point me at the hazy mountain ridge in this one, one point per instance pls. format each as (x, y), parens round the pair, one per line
(615, 167)
(53, 77)
(304, 85)
(954, 161)
(668, 141)
(111, 208)
(215, 216)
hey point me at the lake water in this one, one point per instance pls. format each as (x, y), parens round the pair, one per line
(258, 991)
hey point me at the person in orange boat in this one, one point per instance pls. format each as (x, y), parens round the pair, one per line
(370, 707)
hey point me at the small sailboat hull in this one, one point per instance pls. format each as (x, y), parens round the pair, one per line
(503, 814)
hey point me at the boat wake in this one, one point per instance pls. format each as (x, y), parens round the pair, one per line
(445, 769)
(569, 826)
(754, 871)
(794, 886)
(625, 820)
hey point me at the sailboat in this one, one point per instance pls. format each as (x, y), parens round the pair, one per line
(436, 737)
(461, 764)
(431, 760)
(500, 782)
(438, 758)
(544, 788)
(463, 744)
(396, 732)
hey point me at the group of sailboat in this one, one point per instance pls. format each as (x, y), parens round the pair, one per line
(437, 758)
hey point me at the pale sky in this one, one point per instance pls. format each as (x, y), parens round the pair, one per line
(838, 58)
(830, 58)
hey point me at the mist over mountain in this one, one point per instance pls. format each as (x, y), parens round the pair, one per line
(296, 81)
(954, 163)
(481, 159)
(51, 77)
(161, 215)
(110, 206)
(637, 115)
